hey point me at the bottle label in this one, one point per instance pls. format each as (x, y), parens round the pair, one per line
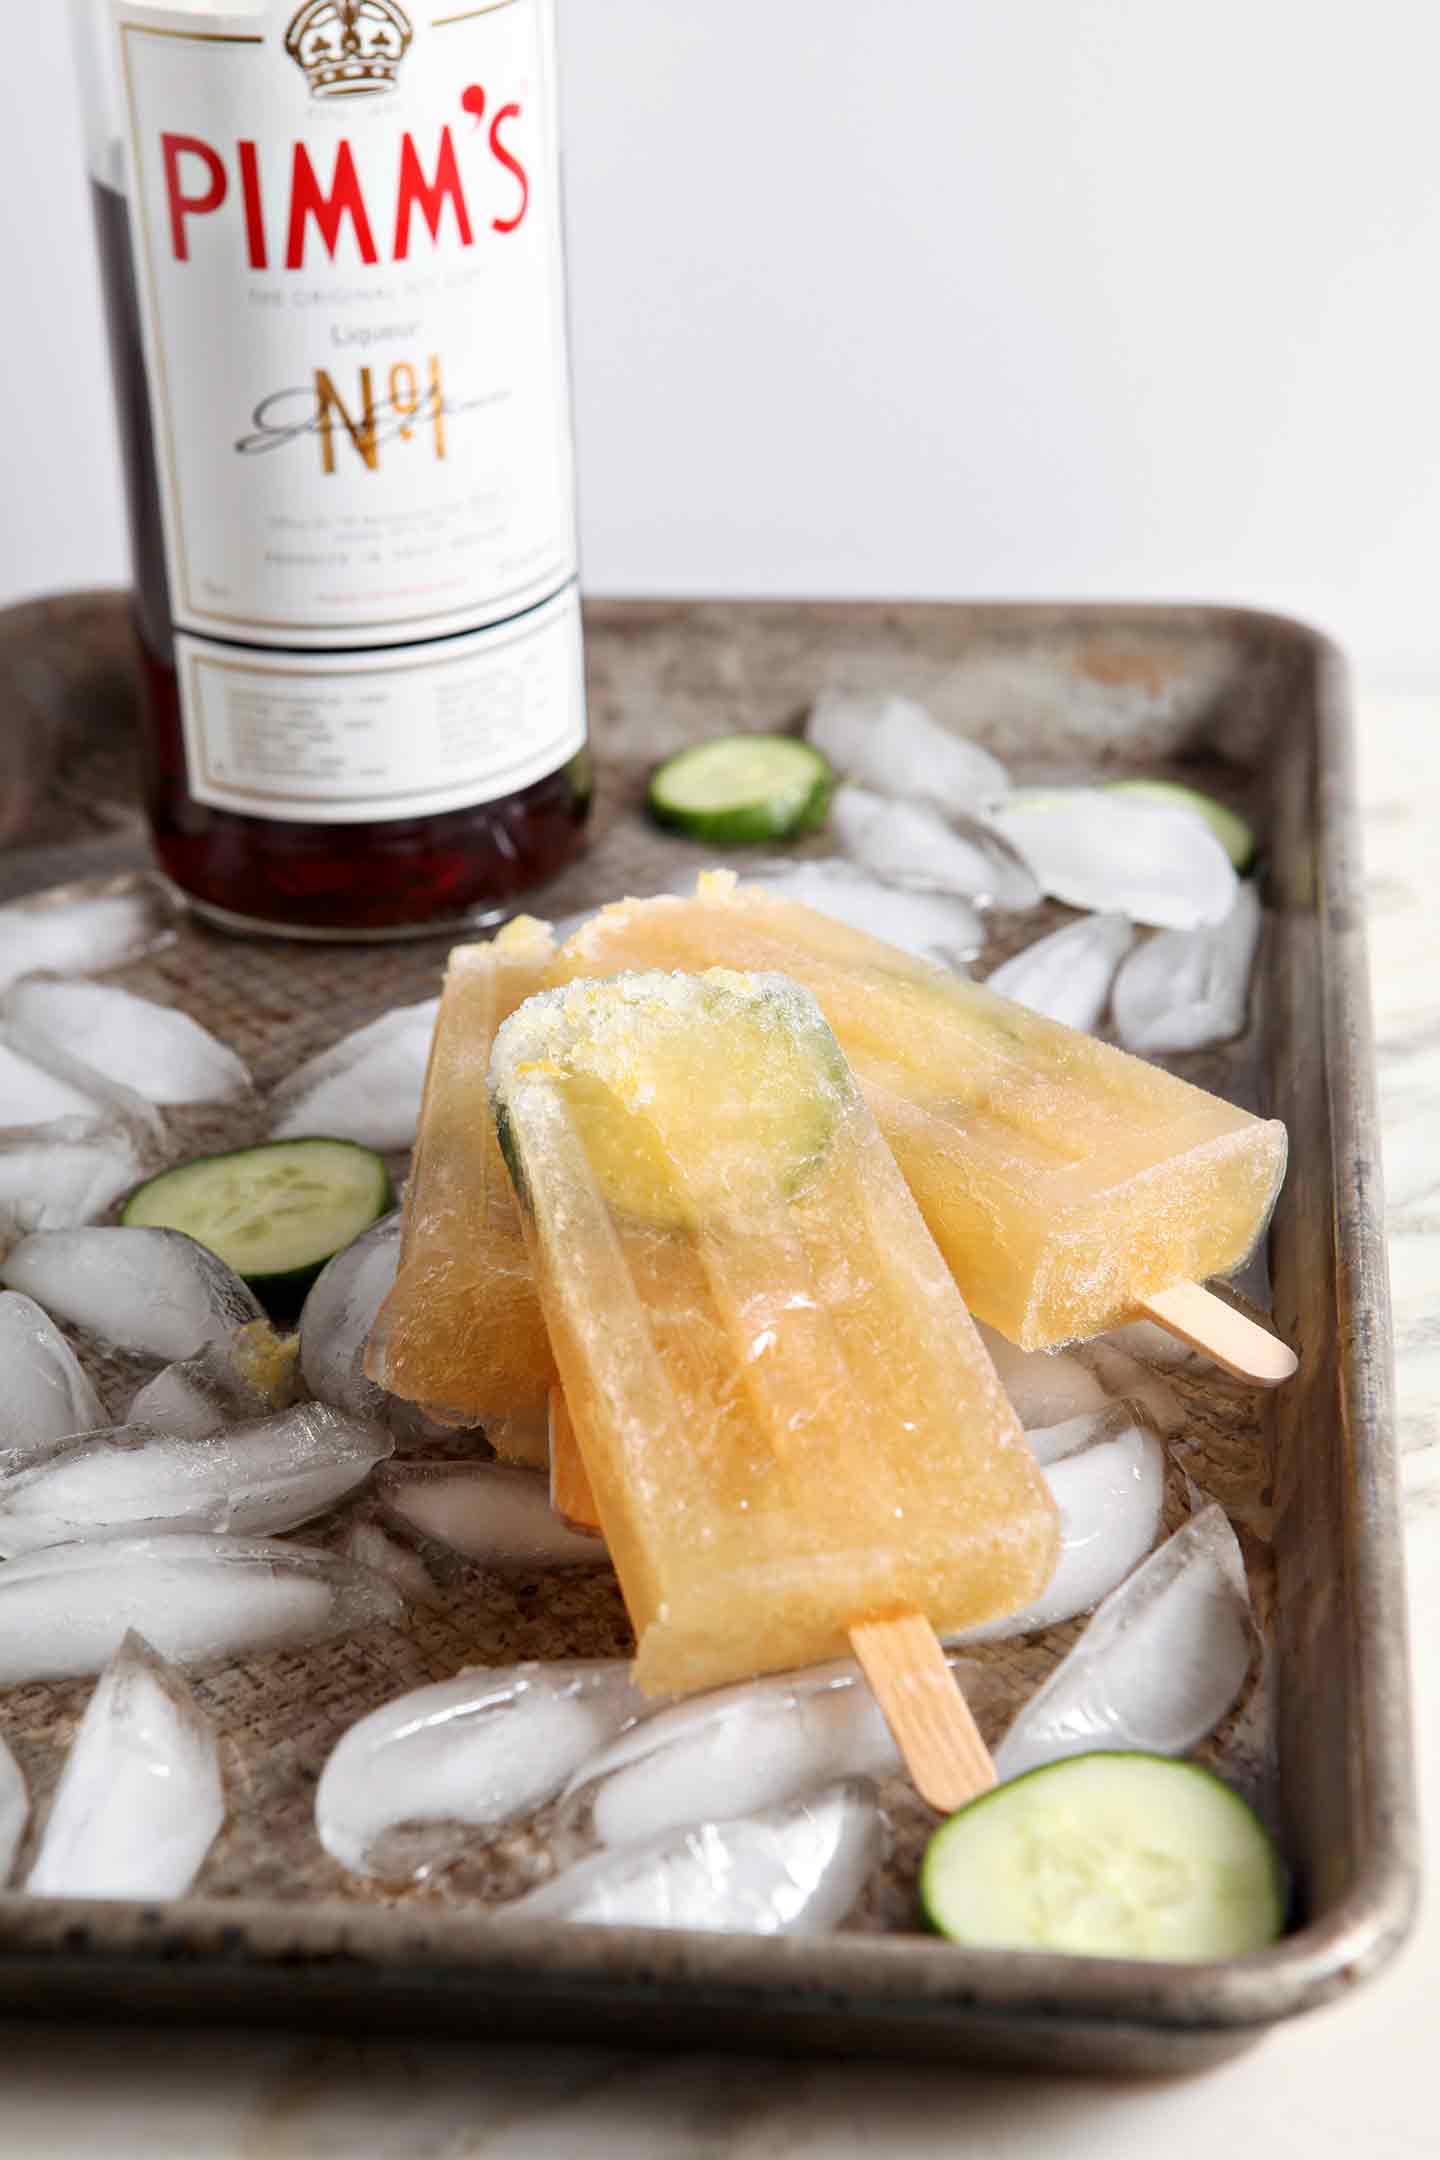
(395, 734)
(345, 225)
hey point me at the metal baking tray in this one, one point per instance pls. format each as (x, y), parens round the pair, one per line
(1252, 706)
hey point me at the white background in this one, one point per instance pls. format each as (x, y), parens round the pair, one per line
(947, 297)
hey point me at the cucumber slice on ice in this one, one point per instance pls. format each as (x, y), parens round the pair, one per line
(742, 788)
(276, 1213)
(1107, 1855)
(1227, 825)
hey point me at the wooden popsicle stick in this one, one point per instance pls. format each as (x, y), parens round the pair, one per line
(924, 1708)
(1236, 1343)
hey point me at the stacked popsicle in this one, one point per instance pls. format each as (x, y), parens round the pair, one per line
(771, 1382)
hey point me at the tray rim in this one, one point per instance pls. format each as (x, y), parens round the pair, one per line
(259, 1944)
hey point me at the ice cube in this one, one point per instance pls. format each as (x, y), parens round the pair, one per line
(912, 844)
(892, 744)
(198, 1396)
(1045, 1387)
(140, 1799)
(1124, 854)
(496, 1513)
(60, 1176)
(1152, 1345)
(1158, 1666)
(1125, 1378)
(365, 1087)
(65, 1611)
(84, 932)
(1067, 976)
(162, 1054)
(1186, 989)
(762, 1744)
(477, 1750)
(249, 1481)
(33, 1094)
(157, 1292)
(933, 925)
(47, 1395)
(40, 1084)
(370, 1547)
(338, 1315)
(14, 1810)
(794, 1870)
(1109, 1485)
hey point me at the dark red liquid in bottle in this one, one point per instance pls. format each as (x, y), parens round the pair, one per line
(397, 876)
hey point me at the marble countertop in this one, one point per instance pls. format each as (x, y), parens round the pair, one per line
(1354, 2077)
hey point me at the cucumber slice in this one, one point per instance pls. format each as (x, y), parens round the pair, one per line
(1227, 825)
(275, 1213)
(742, 788)
(735, 1077)
(750, 1088)
(1107, 1855)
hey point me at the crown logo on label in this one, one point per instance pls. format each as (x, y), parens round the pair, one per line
(347, 48)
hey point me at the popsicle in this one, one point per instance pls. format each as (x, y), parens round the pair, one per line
(1070, 1186)
(795, 1438)
(571, 1493)
(461, 1331)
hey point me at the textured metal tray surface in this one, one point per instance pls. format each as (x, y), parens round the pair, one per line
(1250, 706)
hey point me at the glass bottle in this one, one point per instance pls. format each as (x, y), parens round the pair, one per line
(330, 248)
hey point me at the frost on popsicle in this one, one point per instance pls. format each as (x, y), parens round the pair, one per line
(338, 1315)
(14, 1810)
(894, 745)
(1067, 976)
(249, 1481)
(1158, 1666)
(937, 926)
(63, 1175)
(1128, 855)
(158, 1052)
(1186, 989)
(495, 1513)
(794, 1870)
(910, 843)
(46, 1395)
(152, 1291)
(1107, 1475)
(66, 1610)
(79, 933)
(140, 1800)
(365, 1087)
(737, 1750)
(403, 1786)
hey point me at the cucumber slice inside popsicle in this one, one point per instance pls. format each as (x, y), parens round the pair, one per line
(275, 1213)
(742, 788)
(1107, 1855)
(694, 1096)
